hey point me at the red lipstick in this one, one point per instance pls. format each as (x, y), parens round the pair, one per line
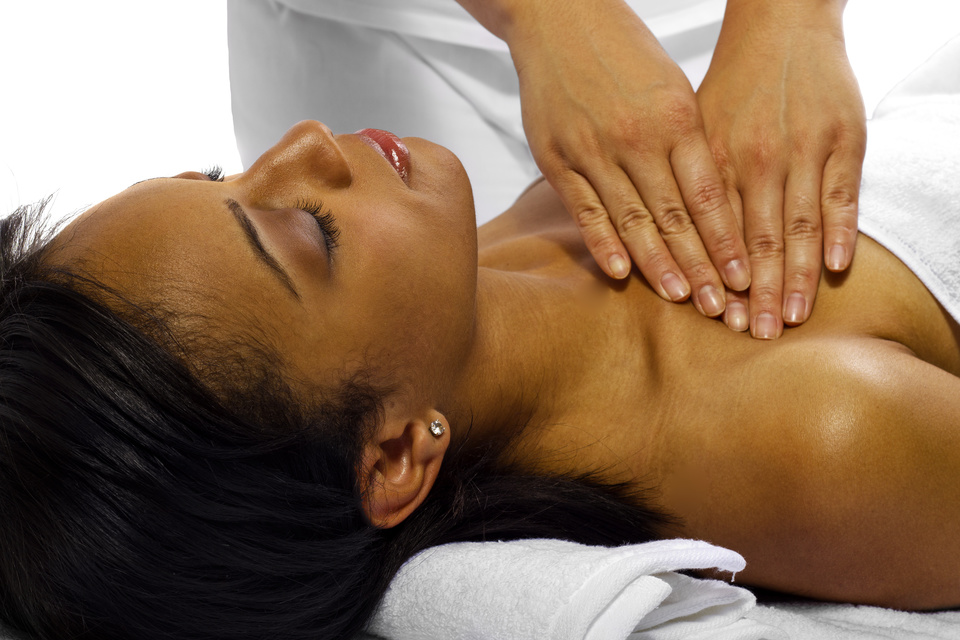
(390, 147)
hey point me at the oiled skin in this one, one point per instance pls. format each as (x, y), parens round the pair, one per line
(829, 458)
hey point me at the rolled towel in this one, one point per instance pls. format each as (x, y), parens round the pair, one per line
(557, 590)
(910, 192)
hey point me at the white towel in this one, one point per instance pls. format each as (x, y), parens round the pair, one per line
(910, 192)
(556, 590)
(829, 621)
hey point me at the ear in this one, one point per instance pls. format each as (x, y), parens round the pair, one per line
(400, 466)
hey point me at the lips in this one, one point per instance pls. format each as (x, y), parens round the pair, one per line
(391, 148)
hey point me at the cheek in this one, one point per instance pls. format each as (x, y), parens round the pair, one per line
(406, 283)
(397, 245)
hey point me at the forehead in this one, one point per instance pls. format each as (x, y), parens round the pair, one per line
(166, 240)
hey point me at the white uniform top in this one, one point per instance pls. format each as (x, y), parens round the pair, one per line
(447, 21)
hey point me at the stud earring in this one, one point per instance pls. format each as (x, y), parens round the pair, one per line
(437, 428)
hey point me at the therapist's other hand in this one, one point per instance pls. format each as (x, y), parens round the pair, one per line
(614, 125)
(787, 127)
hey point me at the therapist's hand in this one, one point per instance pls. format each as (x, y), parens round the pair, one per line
(786, 125)
(614, 125)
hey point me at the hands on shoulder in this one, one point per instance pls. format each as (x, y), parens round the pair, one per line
(786, 124)
(728, 197)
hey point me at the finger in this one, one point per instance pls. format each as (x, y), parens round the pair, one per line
(803, 244)
(591, 218)
(704, 194)
(839, 197)
(763, 227)
(737, 314)
(638, 231)
(655, 182)
(728, 173)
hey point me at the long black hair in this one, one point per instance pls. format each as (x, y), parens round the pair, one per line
(142, 499)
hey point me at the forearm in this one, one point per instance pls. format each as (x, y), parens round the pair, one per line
(784, 14)
(512, 19)
(495, 15)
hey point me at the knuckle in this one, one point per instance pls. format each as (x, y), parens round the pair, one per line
(839, 197)
(840, 219)
(591, 216)
(701, 272)
(673, 219)
(706, 196)
(653, 263)
(804, 224)
(765, 297)
(722, 158)
(600, 243)
(601, 247)
(632, 220)
(851, 133)
(841, 233)
(765, 246)
(552, 163)
(858, 144)
(718, 148)
(842, 230)
(803, 276)
(724, 243)
(629, 132)
(764, 156)
(800, 146)
(681, 116)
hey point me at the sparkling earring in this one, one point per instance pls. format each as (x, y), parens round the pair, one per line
(437, 428)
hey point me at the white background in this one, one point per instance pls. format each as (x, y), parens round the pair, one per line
(98, 94)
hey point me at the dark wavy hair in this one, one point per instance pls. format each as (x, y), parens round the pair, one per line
(156, 484)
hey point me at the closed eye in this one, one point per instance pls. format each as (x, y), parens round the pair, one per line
(325, 221)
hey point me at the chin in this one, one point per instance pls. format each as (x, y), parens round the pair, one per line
(438, 174)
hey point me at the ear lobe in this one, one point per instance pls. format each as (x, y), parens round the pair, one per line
(399, 468)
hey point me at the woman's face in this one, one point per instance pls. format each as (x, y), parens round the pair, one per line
(343, 257)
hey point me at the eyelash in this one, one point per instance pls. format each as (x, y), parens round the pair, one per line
(325, 220)
(215, 173)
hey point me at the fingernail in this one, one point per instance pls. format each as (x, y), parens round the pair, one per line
(837, 258)
(710, 300)
(674, 286)
(736, 317)
(765, 327)
(796, 311)
(737, 276)
(619, 266)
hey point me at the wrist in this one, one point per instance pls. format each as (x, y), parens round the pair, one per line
(780, 22)
(496, 16)
(787, 13)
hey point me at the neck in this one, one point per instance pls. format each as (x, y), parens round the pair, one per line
(514, 372)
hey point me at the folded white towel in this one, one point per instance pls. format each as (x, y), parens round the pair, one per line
(910, 193)
(828, 621)
(556, 590)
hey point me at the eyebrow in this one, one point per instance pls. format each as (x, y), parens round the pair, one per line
(253, 238)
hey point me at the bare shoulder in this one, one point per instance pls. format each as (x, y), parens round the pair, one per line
(840, 477)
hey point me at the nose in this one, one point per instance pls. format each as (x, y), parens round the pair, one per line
(306, 154)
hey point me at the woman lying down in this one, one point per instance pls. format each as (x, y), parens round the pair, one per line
(233, 407)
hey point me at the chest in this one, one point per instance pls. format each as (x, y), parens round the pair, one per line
(650, 378)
